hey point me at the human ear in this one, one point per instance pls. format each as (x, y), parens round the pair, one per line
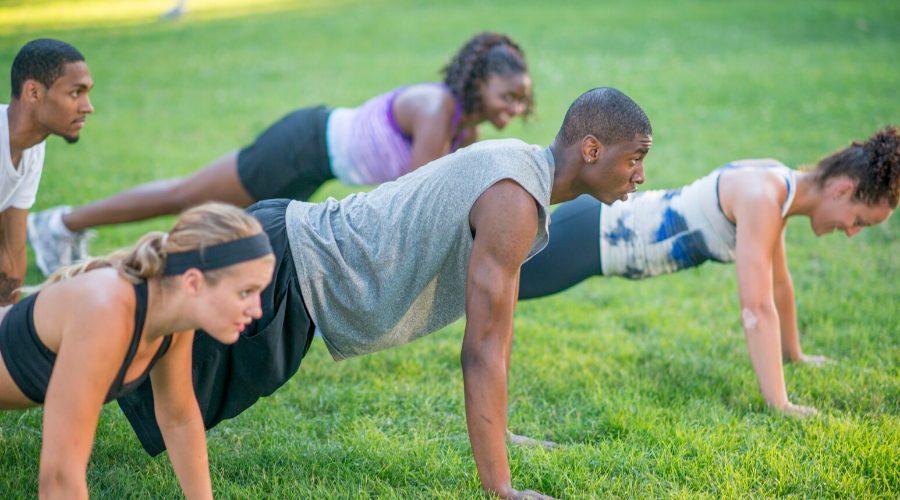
(591, 149)
(192, 281)
(842, 188)
(32, 91)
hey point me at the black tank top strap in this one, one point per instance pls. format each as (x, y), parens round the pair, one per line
(140, 314)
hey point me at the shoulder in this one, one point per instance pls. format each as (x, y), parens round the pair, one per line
(427, 99)
(510, 148)
(507, 200)
(100, 291)
(750, 183)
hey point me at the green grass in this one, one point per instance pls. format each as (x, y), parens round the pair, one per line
(647, 384)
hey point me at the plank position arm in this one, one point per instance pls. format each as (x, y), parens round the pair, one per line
(82, 375)
(784, 291)
(787, 310)
(13, 257)
(179, 417)
(504, 220)
(760, 246)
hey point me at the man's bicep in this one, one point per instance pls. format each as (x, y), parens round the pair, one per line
(505, 221)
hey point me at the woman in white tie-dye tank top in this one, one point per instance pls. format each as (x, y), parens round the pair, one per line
(738, 213)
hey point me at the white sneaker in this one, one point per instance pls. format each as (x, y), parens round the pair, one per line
(51, 249)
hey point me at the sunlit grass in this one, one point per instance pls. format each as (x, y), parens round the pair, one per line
(646, 384)
(28, 16)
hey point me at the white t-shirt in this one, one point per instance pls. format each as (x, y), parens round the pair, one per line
(18, 186)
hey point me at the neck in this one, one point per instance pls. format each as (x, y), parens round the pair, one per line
(469, 122)
(569, 163)
(24, 131)
(167, 311)
(808, 196)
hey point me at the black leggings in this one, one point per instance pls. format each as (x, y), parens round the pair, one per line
(573, 254)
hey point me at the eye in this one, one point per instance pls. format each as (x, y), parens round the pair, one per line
(244, 294)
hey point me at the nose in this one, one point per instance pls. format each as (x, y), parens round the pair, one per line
(853, 231)
(255, 310)
(638, 177)
(87, 107)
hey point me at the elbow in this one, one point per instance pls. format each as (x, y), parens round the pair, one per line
(753, 315)
(171, 416)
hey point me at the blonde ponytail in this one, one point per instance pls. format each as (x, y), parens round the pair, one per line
(197, 228)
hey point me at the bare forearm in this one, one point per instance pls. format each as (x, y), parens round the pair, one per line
(13, 256)
(485, 380)
(761, 331)
(187, 452)
(9, 286)
(787, 318)
(12, 275)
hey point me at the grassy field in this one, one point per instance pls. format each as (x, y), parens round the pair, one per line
(647, 385)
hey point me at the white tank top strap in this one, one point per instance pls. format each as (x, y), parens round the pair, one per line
(791, 181)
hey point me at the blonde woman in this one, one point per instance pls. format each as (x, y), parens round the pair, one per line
(95, 331)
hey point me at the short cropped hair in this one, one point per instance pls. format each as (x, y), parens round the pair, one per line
(43, 60)
(607, 114)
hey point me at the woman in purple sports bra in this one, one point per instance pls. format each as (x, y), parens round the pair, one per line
(388, 136)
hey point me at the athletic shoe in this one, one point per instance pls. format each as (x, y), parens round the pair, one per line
(81, 248)
(51, 249)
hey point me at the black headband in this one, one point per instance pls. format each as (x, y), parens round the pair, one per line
(221, 255)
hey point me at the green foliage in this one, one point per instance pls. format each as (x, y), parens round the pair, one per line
(647, 385)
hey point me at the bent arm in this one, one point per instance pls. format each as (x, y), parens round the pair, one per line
(505, 222)
(179, 417)
(13, 256)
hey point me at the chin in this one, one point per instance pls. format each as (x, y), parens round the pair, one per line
(71, 139)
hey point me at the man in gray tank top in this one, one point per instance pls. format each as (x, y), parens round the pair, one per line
(384, 268)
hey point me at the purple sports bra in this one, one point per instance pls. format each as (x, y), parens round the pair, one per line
(367, 146)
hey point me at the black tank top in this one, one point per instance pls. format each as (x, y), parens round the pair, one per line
(30, 362)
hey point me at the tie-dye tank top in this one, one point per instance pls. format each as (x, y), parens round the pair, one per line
(661, 232)
(367, 146)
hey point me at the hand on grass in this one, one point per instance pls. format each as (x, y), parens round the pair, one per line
(798, 411)
(814, 360)
(527, 441)
(526, 494)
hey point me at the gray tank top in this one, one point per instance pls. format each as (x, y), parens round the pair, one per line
(384, 268)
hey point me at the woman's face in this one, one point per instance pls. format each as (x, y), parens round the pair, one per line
(839, 212)
(226, 308)
(504, 97)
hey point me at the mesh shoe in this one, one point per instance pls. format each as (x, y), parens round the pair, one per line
(81, 246)
(51, 249)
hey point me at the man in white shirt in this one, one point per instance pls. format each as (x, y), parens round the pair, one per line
(50, 82)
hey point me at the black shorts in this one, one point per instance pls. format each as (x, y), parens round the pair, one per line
(228, 379)
(289, 159)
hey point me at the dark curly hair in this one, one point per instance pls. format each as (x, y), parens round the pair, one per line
(43, 60)
(874, 165)
(483, 55)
